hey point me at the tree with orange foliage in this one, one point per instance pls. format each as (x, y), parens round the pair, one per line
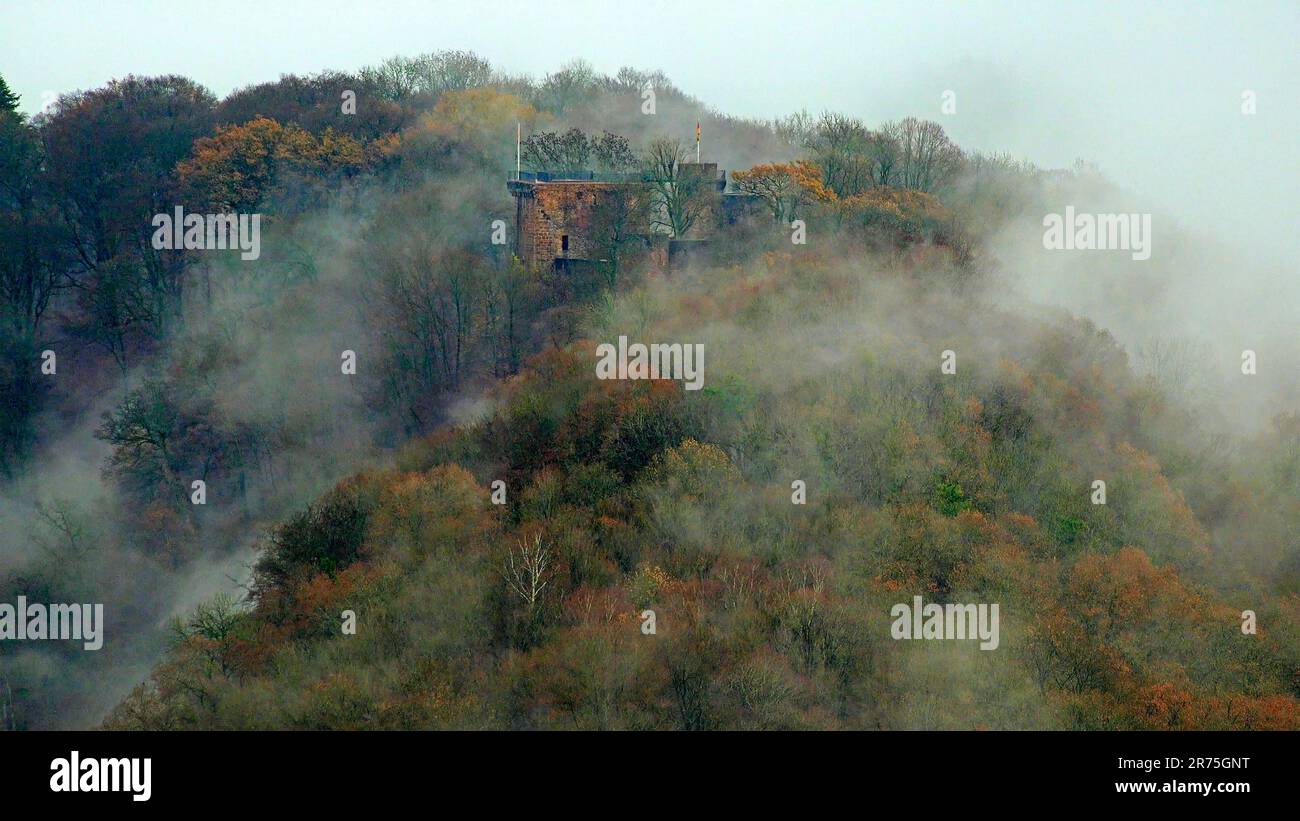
(783, 187)
(242, 164)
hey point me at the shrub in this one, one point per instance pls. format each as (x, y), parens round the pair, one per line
(324, 538)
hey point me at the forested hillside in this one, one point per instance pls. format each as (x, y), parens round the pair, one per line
(467, 530)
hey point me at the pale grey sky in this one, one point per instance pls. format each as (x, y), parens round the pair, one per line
(1150, 91)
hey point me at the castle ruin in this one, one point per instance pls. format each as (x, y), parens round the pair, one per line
(554, 214)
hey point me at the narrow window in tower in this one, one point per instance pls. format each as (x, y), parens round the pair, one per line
(564, 243)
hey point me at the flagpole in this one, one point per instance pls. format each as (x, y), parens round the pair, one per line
(518, 137)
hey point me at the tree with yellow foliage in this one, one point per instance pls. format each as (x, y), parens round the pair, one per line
(485, 114)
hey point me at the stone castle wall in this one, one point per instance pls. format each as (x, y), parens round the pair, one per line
(546, 212)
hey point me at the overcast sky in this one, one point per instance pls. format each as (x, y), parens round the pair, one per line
(1152, 92)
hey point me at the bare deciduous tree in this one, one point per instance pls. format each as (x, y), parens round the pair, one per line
(620, 219)
(677, 195)
(567, 86)
(526, 570)
(435, 74)
(927, 158)
(839, 145)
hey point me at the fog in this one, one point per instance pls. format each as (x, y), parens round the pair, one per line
(1151, 92)
(1151, 97)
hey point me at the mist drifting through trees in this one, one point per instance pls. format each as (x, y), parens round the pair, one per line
(374, 490)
